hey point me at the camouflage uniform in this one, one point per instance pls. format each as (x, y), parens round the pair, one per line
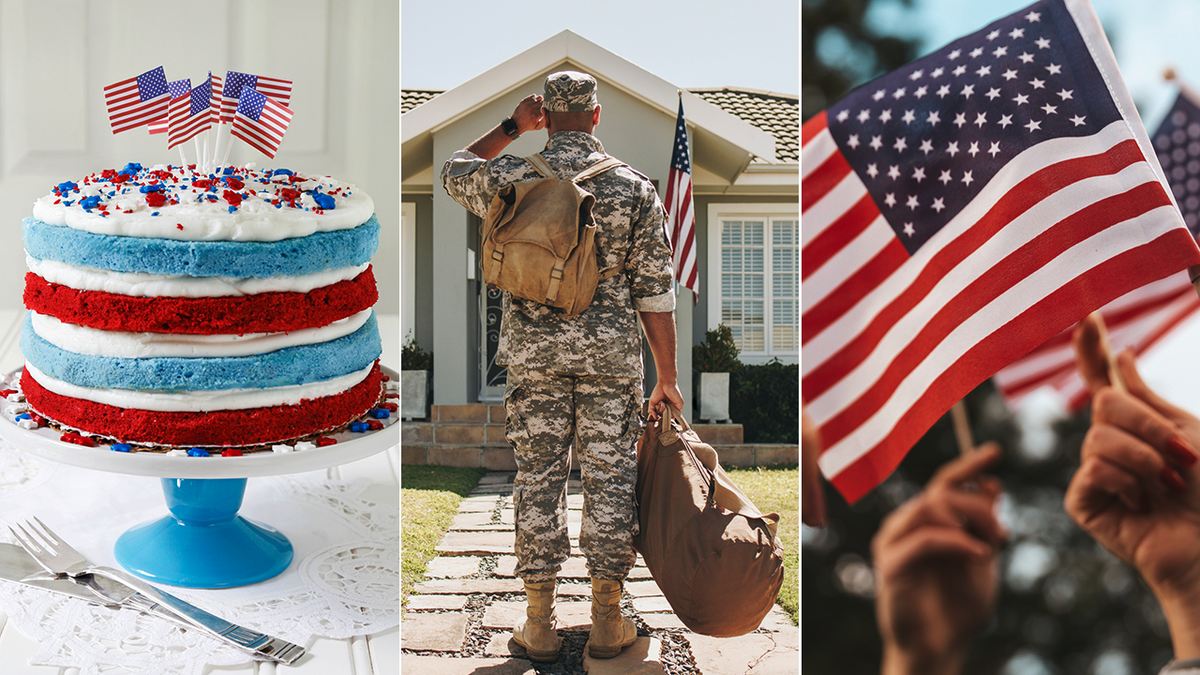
(579, 377)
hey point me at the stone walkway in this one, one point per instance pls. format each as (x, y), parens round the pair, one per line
(460, 620)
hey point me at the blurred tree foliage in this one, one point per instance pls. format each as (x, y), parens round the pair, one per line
(840, 51)
(1067, 607)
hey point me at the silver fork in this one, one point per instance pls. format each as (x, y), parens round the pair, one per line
(58, 558)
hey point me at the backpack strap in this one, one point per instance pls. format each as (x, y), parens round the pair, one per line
(612, 271)
(540, 164)
(598, 168)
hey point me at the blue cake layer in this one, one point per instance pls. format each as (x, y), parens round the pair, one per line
(253, 259)
(288, 366)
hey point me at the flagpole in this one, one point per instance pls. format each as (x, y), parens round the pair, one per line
(962, 428)
(1114, 373)
(182, 158)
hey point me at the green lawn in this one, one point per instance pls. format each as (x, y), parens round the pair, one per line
(429, 498)
(777, 489)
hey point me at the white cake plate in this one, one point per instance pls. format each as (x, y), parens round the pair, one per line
(203, 495)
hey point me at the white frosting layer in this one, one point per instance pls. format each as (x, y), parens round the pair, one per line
(255, 217)
(201, 401)
(93, 342)
(138, 284)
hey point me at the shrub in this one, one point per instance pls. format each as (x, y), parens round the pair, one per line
(718, 353)
(412, 357)
(765, 400)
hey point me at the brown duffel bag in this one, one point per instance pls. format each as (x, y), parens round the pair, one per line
(716, 558)
(538, 239)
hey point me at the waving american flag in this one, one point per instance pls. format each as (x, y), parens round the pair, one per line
(681, 217)
(959, 212)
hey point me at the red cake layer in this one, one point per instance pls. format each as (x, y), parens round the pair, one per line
(252, 426)
(226, 315)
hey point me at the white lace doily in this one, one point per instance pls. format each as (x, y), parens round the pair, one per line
(344, 580)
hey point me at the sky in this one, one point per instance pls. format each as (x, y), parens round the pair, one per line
(702, 43)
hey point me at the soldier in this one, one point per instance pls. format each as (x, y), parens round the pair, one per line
(580, 377)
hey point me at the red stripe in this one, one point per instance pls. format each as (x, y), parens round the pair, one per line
(838, 235)
(822, 180)
(233, 315)
(986, 287)
(216, 428)
(1015, 202)
(1105, 283)
(815, 125)
(856, 287)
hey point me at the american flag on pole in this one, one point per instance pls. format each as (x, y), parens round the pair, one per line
(261, 122)
(190, 114)
(961, 211)
(272, 87)
(176, 88)
(681, 217)
(137, 101)
(1139, 319)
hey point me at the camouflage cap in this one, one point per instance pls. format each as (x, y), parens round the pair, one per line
(570, 91)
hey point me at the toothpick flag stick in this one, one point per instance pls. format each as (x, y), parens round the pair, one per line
(962, 428)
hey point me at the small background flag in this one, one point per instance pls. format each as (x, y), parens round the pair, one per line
(961, 211)
(176, 89)
(216, 95)
(260, 121)
(190, 114)
(1139, 319)
(272, 87)
(137, 101)
(681, 217)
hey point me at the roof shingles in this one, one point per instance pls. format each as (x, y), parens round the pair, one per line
(776, 114)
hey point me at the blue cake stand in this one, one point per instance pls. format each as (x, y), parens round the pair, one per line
(204, 543)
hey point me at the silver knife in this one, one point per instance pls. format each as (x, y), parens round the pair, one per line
(17, 565)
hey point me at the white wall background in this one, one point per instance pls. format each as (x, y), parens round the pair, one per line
(56, 56)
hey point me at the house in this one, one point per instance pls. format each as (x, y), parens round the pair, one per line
(745, 158)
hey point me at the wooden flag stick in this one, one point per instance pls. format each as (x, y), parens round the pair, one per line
(962, 428)
(1114, 373)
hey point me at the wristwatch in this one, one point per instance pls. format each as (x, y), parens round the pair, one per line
(510, 127)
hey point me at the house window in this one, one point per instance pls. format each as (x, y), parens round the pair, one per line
(754, 278)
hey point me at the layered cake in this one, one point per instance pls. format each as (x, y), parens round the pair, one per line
(171, 308)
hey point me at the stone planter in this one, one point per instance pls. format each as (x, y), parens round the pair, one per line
(712, 392)
(414, 394)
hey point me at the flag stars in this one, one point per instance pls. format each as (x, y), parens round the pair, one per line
(926, 147)
(938, 205)
(1033, 126)
(1016, 33)
(916, 75)
(894, 172)
(1005, 120)
(908, 117)
(864, 115)
(992, 94)
(899, 93)
(967, 91)
(973, 149)
(1077, 120)
(921, 91)
(1033, 17)
(954, 54)
(879, 95)
(885, 115)
(959, 70)
(937, 72)
(1042, 43)
(959, 120)
(993, 35)
(1025, 57)
(1065, 94)
(912, 202)
(872, 170)
(933, 118)
(1050, 109)
(943, 90)
(843, 116)
(1021, 98)
(1000, 51)
(980, 119)
(919, 174)
(1009, 74)
(1037, 84)
(908, 229)
(890, 199)
(945, 177)
(967, 178)
(852, 141)
(976, 52)
(984, 70)
(994, 149)
(952, 149)
(1054, 68)
(876, 142)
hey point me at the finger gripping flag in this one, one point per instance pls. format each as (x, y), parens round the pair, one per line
(959, 212)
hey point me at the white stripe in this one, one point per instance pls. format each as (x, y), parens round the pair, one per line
(832, 206)
(873, 239)
(201, 401)
(1032, 160)
(818, 149)
(125, 345)
(1071, 264)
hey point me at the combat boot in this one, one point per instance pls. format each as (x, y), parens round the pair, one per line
(611, 632)
(537, 632)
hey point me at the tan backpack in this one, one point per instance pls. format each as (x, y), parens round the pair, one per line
(539, 239)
